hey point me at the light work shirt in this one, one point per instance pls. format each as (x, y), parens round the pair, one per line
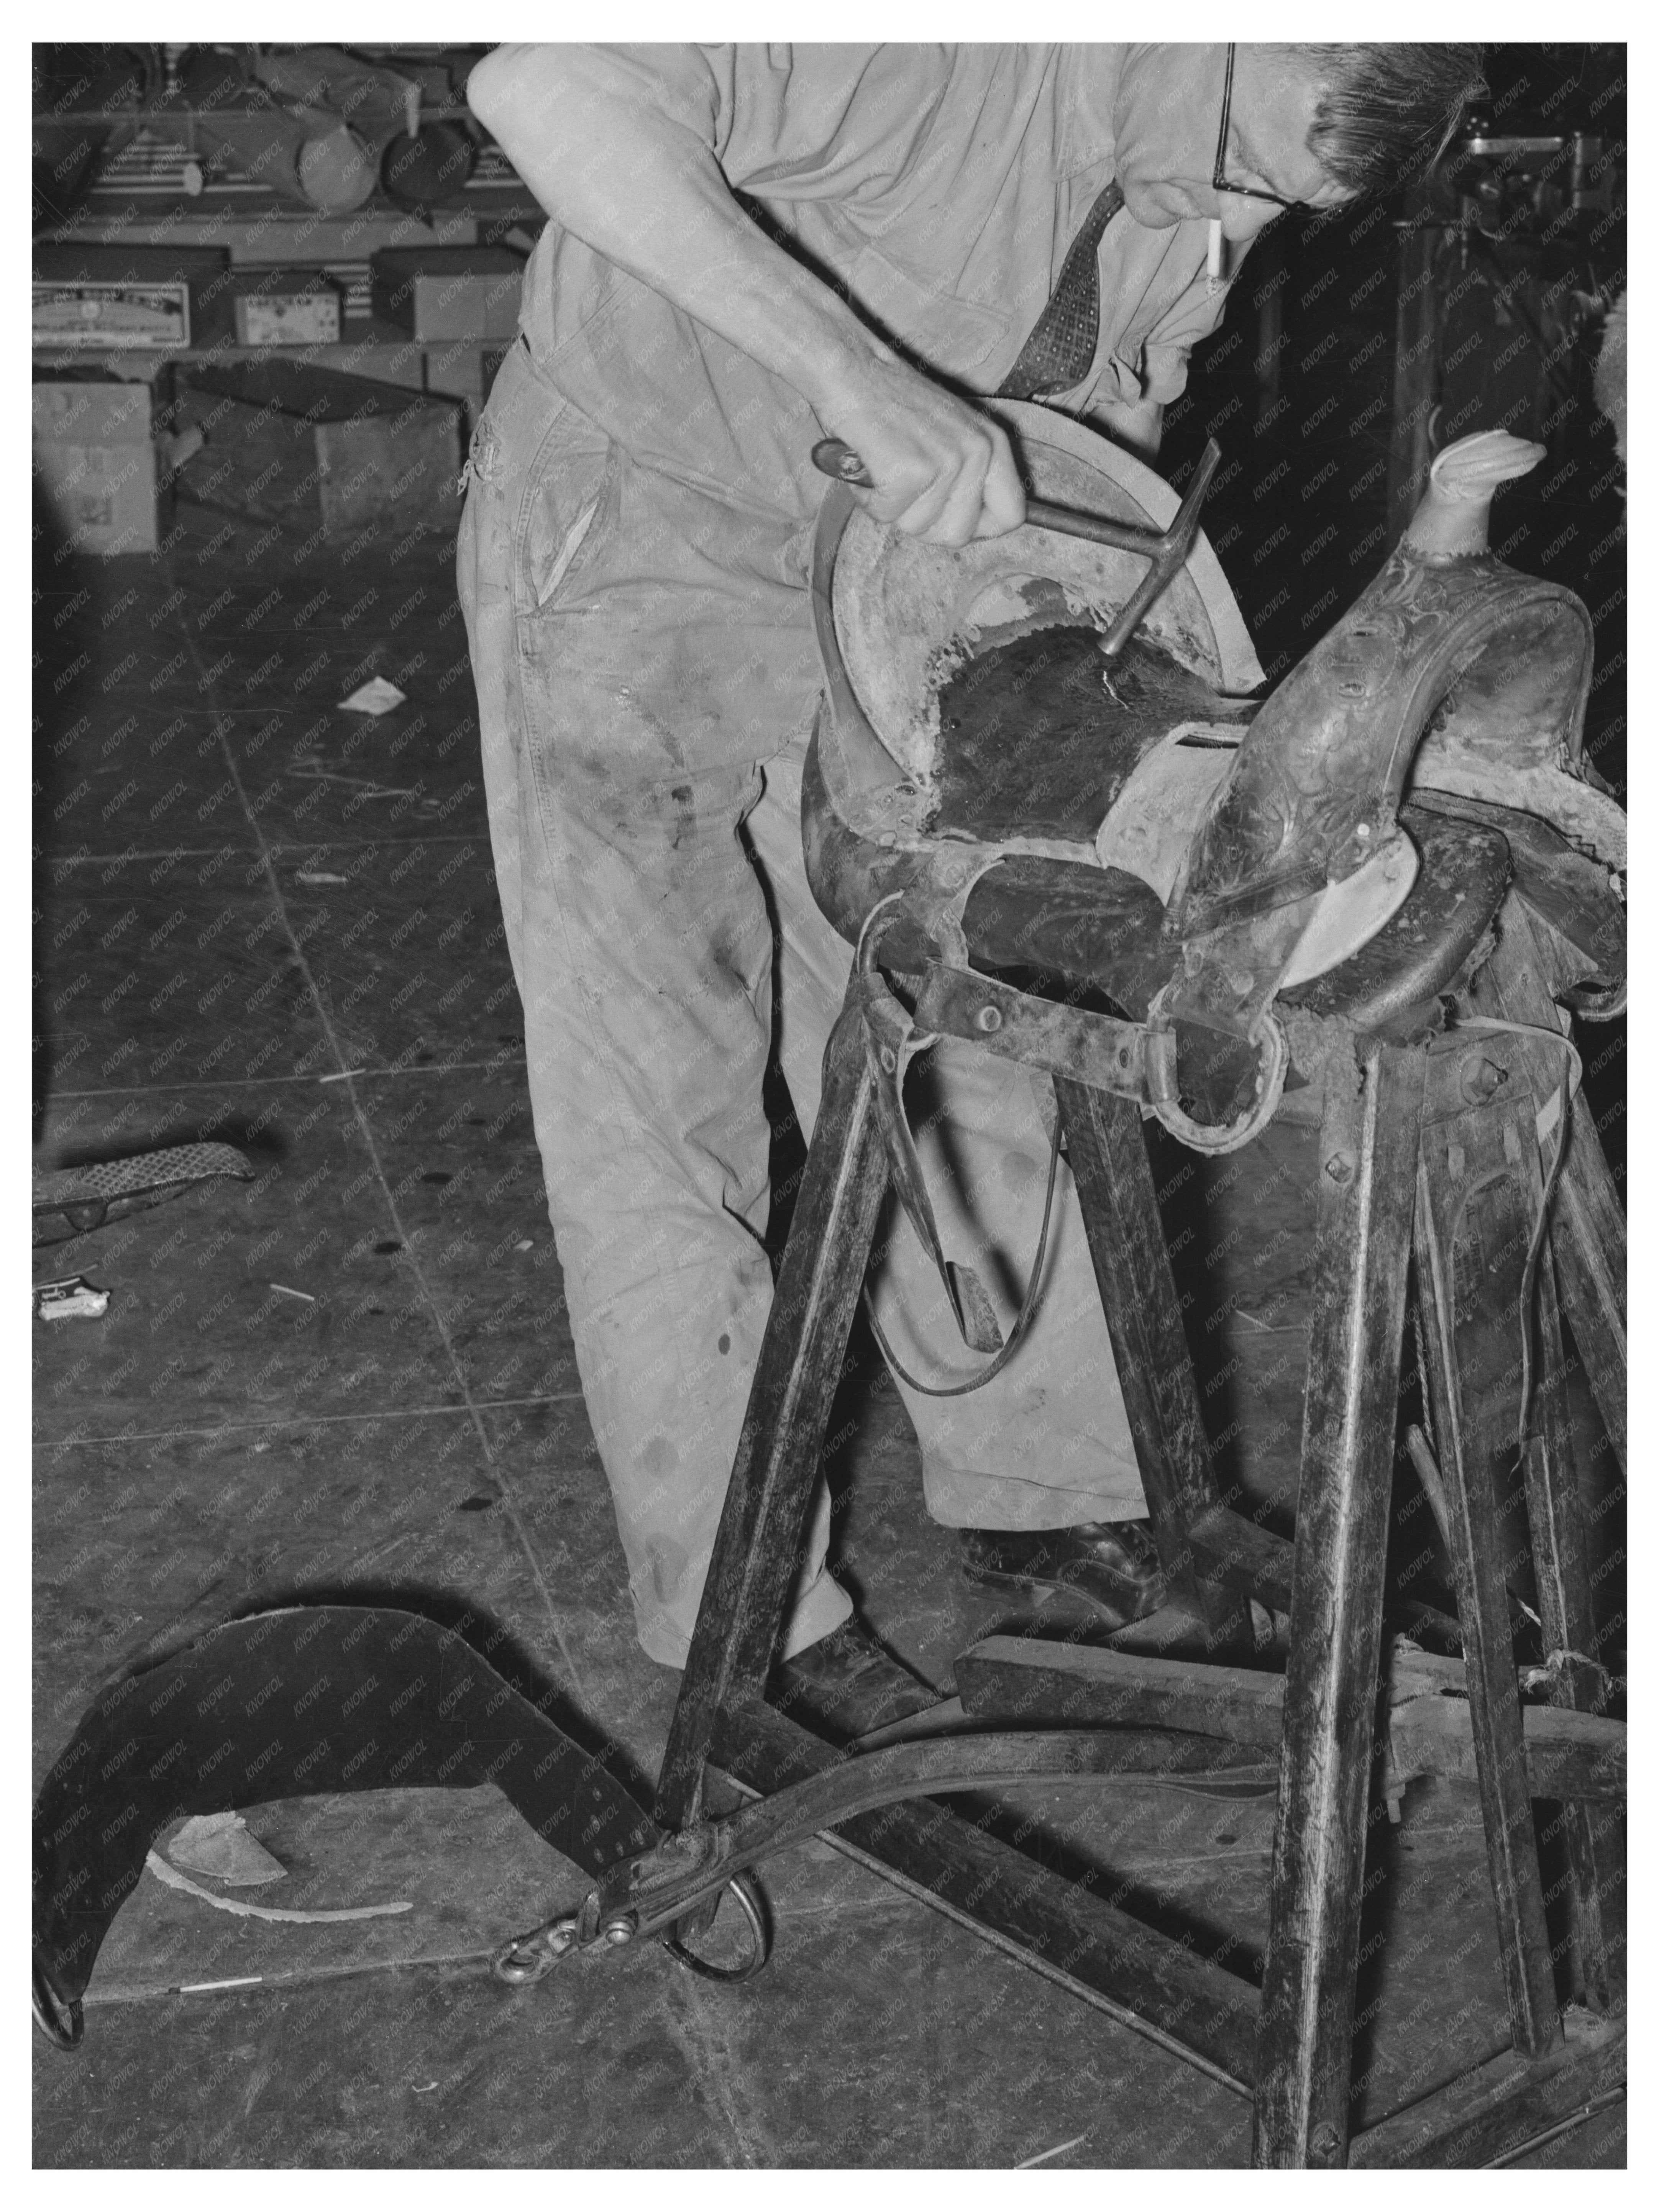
(936, 188)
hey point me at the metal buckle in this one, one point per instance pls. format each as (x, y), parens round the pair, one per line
(1126, 1058)
(528, 1958)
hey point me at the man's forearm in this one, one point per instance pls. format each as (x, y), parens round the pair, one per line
(638, 185)
(597, 138)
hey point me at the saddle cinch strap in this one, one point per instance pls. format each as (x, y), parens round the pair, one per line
(389, 1700)
(1126, 1058)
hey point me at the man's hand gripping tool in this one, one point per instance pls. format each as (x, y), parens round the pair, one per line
(1166, 551)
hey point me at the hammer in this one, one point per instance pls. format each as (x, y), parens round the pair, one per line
(1166, 549)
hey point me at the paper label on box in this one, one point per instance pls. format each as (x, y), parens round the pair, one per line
(104, 497)
(309, 319)
(112, 315)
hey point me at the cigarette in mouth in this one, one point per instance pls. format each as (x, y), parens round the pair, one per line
(1216, 265)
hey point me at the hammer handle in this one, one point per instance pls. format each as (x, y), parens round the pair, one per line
(833, 457)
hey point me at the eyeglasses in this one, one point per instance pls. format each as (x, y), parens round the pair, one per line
(1218, 181)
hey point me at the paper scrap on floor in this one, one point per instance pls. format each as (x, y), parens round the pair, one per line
(219, 1844)
(377, 697)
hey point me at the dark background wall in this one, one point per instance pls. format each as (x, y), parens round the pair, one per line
(1298, 387)
(1303, 409)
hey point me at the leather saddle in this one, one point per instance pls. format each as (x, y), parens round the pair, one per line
(1160, 867)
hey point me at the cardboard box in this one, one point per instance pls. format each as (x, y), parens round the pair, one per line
(461, 371)
(402, 364)
(448, 291)
(125, 298)
(286, 307)
(286, 442)
(95, 456)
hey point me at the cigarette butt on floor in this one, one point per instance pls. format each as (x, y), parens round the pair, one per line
(288, 1291)
(1059, 2151)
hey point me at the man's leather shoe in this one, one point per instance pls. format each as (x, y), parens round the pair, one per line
(846, 1686)
(1111, 1564)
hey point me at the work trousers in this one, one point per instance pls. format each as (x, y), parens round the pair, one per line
(647, 678)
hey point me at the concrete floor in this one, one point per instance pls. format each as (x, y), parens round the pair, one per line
(263, 921)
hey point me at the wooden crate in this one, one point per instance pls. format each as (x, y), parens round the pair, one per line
(285, 441)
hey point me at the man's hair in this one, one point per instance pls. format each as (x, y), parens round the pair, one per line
(1386, 112)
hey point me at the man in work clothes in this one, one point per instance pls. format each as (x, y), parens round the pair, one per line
(751, 248)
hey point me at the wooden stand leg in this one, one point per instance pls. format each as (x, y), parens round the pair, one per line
(1106, 1149)
(1590, 1252)
(1368, 1148)
(1587, 1245)
(1555, 1516)
(1589, 1233)
(755, 1556)
(1473, 1226)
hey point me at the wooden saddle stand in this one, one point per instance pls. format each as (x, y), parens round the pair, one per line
(1427, 1046)
(1364, 904)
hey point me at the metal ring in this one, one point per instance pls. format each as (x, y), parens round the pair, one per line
(61, 2023)
(1273, 1065)
(744, 1888)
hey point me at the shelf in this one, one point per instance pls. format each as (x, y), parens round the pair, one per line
(447, 368)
